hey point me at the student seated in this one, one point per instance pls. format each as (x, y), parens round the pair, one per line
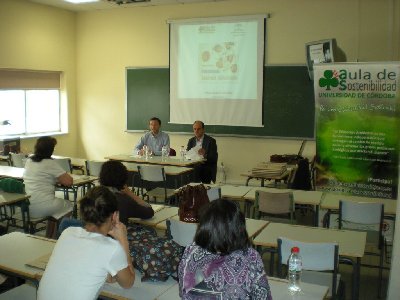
(83, 258)
(221, 260)
(114, 175)
(41, 175)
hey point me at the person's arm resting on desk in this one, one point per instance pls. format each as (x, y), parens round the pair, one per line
(65, 179)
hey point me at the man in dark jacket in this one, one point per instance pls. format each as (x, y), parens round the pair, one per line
(207, 171)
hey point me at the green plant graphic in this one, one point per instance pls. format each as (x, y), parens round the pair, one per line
(328, 80)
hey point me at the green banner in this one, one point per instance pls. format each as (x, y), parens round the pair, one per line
(357, 128)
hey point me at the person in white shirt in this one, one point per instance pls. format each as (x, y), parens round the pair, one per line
(41, 175)
(155, 139)
(84, 258)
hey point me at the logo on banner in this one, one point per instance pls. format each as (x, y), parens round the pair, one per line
(358, 83)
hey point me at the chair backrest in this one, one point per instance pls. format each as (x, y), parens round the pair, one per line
(181, 232)
(18, 160)
(65, 163)
(151, 173)
(362, 216)
(315, 257)
(214, 193)
(93, 167)
(275, 203)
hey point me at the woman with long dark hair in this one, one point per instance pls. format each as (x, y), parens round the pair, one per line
(221, 261)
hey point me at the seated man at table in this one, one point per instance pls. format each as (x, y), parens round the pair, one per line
(155, 139)
(208, 150)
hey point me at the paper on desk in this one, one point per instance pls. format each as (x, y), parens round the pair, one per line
(193, 154)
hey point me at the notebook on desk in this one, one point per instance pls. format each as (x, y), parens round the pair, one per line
(40, 262)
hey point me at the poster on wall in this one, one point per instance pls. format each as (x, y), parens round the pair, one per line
(357, 128)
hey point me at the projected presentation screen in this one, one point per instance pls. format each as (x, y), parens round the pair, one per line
(216, 71)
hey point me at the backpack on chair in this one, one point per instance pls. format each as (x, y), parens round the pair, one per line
(191, 199)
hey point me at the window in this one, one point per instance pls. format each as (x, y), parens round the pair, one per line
(30, 102)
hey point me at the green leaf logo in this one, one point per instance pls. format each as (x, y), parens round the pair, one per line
(328, 80)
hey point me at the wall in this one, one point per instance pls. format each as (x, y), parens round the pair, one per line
(40, 37)
(109, 41)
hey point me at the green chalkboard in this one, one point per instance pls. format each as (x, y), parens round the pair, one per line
(288, 103)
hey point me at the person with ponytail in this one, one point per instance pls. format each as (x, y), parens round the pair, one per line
(85, 257)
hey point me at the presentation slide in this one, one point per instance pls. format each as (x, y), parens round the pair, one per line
(216, 71)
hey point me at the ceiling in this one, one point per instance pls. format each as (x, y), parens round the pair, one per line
(104, 4)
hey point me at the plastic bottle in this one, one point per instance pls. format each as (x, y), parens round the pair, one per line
(164, 152)
(294, 270)
(182, 152)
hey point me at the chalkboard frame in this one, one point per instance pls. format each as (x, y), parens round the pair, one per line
(288, 104)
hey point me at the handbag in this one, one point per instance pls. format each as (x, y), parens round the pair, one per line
(191, 200)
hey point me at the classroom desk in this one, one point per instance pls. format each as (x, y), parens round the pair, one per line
(14, 199)
(155, 160)
(79, 181)
(253, 226)
(159, 216)
(279, 291)
(331, 202)
(140, 290)
(276, 178)
(173, 171)
(351, 243)
(11, 172)
(5, 159)
(300, 197)
(18, 249)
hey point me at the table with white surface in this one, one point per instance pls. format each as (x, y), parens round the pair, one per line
(18, 249)
(11, 172)
(176, 172)
(351, 243)
(155, 160)
(279, 291)
(253, 226)
(159, 216)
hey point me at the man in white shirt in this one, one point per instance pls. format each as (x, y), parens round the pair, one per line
(155, 139)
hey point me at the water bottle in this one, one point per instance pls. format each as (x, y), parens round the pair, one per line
(182, 152)
(294, 272)
(164, 152)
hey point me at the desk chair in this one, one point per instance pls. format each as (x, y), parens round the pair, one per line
(214, 193)
(320, 263)
(277, 207)
(93, 167)
(181, 232)
(149, 175)
(18, 160)
(65, 163)
(368, 217)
